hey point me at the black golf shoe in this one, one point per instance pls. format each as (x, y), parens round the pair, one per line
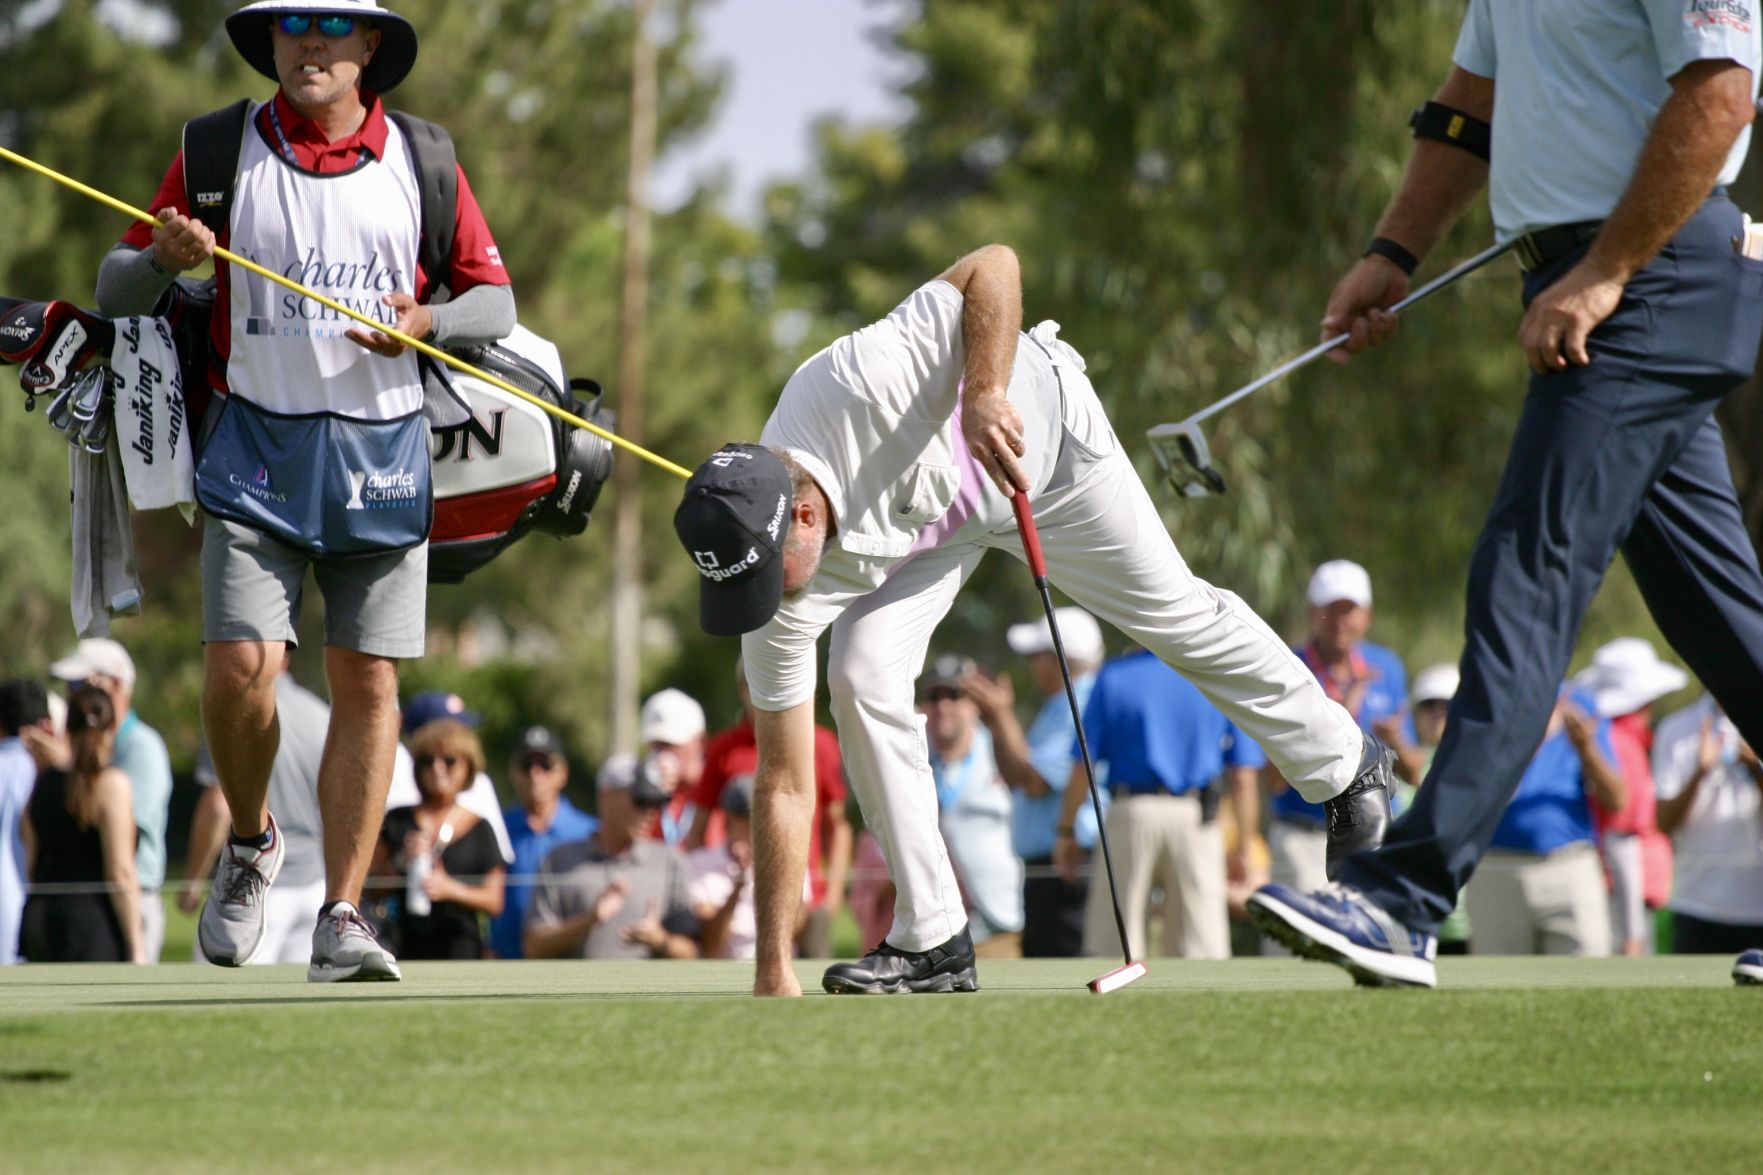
(888, 970)
(1359, 816)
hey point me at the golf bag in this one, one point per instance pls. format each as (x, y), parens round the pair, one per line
(502, 467)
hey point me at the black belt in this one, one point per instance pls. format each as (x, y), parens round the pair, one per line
(1538, 249)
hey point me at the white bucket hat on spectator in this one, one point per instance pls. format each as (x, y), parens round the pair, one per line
(1626, 674)
(1436, 683)
(96, 656)
(392, 61)
(671, 717)
(1077, 628)
(1339, 579)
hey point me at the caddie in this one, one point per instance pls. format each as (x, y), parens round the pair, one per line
(882, 476)
(315, 451)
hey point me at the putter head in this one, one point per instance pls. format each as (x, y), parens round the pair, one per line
(1118, 978)
(1186, 458)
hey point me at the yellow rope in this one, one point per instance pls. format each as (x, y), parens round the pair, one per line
(431, 351)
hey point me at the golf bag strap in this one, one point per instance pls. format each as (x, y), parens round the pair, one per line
(211, 163)
(437, 178)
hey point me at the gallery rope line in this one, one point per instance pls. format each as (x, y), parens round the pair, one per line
(431, 351)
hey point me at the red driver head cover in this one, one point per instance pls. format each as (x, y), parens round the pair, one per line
(52, 340)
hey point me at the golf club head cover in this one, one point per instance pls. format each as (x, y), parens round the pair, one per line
(50, 341)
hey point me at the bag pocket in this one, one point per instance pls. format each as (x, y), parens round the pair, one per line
(333, 486)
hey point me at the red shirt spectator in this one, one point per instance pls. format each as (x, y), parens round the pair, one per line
(735, 751)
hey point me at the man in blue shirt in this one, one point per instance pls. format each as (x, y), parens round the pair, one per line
(139, 753)
(1540, 888)
(1367, 679)
(23, 704)
(1036, 764)
(1166, 748)
(543, 820)
(1616, 125)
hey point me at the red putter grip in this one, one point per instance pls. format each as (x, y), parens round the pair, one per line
(1031, 538)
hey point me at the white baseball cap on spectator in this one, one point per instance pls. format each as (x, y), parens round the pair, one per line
(1626, 674)
(1436, 683)
(1077, 628)
(671, 717)
(1339, 579)
(96, 656)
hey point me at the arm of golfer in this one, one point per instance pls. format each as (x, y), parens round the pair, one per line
(1437, 186)
(783, 812)
(1709, 106)
(990, 281)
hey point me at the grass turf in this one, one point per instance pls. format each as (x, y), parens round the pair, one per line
(1516, 1064)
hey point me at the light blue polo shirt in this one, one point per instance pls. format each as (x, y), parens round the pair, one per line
(1157, 733)
(140, 754)
(1577, 84)
(1034, 820)
(568, 824)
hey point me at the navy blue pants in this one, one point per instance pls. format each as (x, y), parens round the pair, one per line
(1621, 454)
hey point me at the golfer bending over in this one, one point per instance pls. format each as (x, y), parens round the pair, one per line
(884, 474)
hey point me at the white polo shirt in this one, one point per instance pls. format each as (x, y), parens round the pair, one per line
(873, 418)
(1719, 846)
(1577, 86)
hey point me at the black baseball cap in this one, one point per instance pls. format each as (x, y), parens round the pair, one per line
(732, 521)
(540, 740)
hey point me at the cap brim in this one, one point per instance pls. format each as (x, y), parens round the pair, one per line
(732, 607)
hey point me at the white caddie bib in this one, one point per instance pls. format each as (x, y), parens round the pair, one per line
(353, 238)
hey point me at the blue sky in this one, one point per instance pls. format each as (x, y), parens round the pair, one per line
(792, 61)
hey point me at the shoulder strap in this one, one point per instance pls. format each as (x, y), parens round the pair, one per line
(211, 162)
(437, 177)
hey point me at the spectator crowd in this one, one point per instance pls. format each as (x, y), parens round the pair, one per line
(1631, 832)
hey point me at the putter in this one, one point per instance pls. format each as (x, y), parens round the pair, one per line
(1031, 546)
(1181, 449)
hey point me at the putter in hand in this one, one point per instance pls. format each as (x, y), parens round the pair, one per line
(1031, 545)
(1181, 449)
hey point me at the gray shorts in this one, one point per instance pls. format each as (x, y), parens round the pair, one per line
(251, 587)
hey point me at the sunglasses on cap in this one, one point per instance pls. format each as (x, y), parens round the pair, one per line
(449, 761)
(330, 24)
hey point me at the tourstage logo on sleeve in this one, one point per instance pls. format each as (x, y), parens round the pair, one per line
(359, 284)
(1735, 14)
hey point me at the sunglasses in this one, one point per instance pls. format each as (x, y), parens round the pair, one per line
(942, 694)
(449, 761)
(329, 24)
(538, 763)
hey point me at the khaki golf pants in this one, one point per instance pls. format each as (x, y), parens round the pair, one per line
(1161, 838)
(1530, 904)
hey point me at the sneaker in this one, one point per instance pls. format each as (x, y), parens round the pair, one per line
(1339, 925)
(888, 970)
(1359, 816)
(344, 950)
(1747, 969)
(230, 929)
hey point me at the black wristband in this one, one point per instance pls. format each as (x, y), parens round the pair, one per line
(153, 260)
(1386, 248)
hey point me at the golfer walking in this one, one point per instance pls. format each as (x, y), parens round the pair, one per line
(883, 477)
(325, 189)
(1614, 126)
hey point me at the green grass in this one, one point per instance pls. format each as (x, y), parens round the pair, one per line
(1531, 1064)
